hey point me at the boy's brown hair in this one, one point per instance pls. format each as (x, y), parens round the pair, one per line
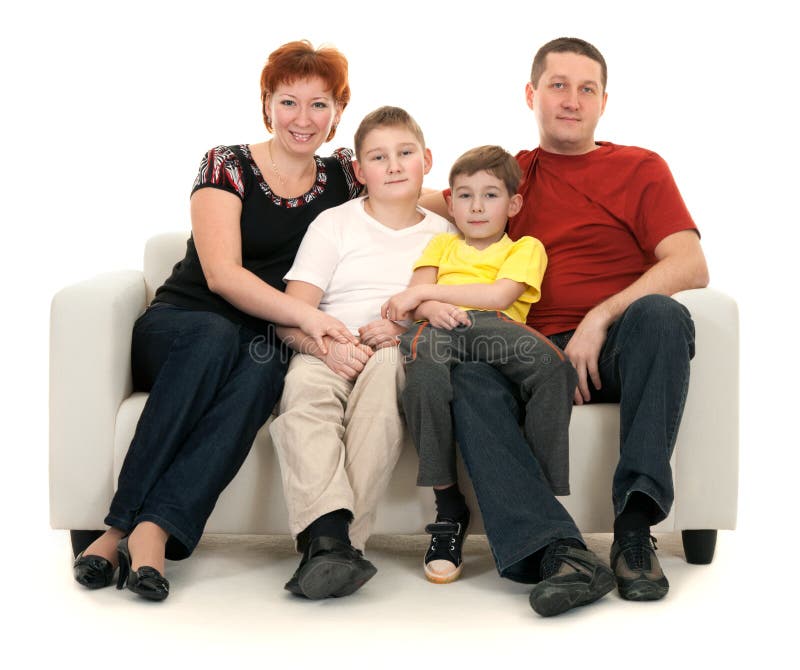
(494, 160)
(386, 117)
(572, 45)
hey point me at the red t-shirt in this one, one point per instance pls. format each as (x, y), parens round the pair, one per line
(600, 217)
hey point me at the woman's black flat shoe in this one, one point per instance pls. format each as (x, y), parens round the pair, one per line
(146, 581)
(93, 572)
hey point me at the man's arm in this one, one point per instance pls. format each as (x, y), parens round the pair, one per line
(435, 202)
(680, 265)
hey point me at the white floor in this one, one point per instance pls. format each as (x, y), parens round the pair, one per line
(228, 609)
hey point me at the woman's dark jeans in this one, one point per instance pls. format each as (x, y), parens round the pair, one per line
(644, 365)
(212, 386)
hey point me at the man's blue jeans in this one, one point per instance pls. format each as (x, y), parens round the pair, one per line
(212, 386)
(644, 365)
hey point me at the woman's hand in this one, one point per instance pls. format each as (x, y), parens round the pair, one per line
(380, 333)
(346, 359)
(442, 314)
(318, 325)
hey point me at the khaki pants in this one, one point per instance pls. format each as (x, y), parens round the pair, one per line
(338, 441)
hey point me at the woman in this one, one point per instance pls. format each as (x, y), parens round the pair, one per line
(205, 349)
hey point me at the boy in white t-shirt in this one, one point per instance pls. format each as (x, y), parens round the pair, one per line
(473, 291)
(339, 432)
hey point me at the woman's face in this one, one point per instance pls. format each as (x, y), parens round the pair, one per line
(302, 113)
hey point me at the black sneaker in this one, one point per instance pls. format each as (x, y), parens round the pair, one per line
(443, 562)
(638, 572)
(570, 577)
(330, 568)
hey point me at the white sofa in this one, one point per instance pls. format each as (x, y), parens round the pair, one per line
(93, 413)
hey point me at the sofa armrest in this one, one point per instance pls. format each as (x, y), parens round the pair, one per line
(90, 374)
(707, 454)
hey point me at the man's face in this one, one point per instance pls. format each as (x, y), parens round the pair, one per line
(568, 102)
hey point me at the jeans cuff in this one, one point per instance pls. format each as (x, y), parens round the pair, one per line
(661, 504)
(179, 545)
(114, 521)
(560, 532)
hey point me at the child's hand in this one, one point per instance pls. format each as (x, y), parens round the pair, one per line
(443, 314)
(400, 306)
(380, 333)
(345, 359)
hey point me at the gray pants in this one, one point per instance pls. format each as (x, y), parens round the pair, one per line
(542, 372)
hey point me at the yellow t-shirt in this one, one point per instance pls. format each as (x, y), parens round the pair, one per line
(458, 263)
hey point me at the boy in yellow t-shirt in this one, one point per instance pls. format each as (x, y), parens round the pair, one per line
(473, 292)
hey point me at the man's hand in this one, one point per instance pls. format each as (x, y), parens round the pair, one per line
(442, 314)
(380, 333)
(583, 351)
(345, 359)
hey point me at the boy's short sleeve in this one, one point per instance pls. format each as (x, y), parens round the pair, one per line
(526, 263)
(318, 256)
(220, 168)
(432, 254)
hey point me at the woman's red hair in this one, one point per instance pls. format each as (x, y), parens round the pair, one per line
(299, 60)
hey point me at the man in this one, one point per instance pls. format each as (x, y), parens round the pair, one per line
(619, 240)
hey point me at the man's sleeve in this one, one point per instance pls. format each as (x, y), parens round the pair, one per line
(660, 210)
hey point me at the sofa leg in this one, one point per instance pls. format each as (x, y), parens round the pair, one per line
(699, 545)
(82, 539)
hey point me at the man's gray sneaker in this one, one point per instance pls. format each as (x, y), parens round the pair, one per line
(636, 567)
(570, 577)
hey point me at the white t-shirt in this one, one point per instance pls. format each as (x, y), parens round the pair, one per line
(358, 262)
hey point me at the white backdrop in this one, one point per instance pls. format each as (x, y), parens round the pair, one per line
(108, 109)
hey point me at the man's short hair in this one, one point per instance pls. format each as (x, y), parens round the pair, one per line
(494, 160)
(386, 117)
(573, 45)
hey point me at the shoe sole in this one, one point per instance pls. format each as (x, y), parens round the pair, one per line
(150, 595)
(89, 584)
(442, 579)
(327, 577)
(552, 598)
(642, 590)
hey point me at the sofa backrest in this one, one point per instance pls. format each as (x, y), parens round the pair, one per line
(160, 255)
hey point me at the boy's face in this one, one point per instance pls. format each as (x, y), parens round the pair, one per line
(481, 205)
(392, 164)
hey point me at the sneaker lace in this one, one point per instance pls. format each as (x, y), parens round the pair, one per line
(637, 549)
(448, 539)
(443, 543)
